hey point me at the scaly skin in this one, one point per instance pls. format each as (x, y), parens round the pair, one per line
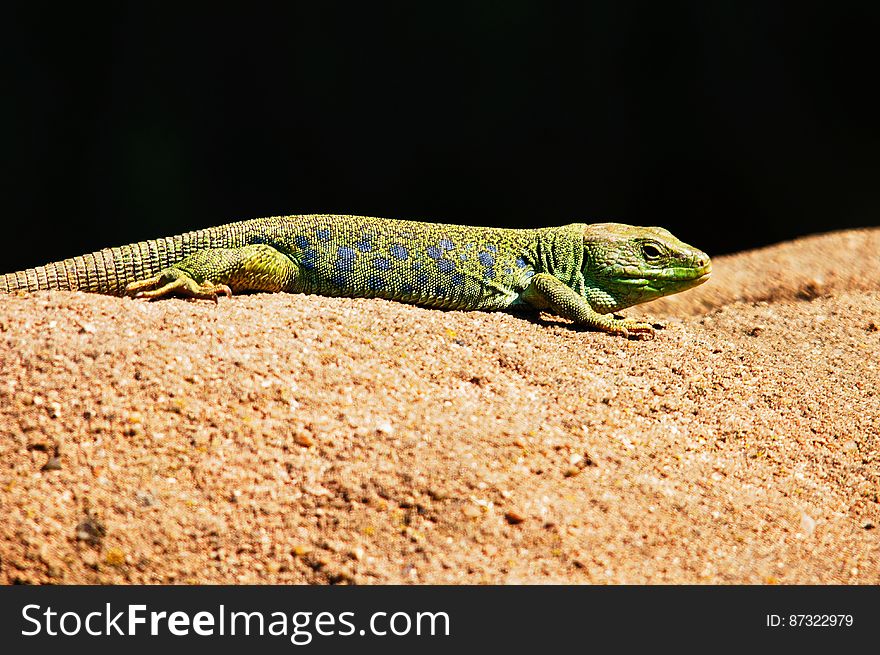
(582, 272)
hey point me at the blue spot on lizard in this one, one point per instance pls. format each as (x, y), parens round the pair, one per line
(398, 252)
(445, 265)
(308, 258)
(345, 261)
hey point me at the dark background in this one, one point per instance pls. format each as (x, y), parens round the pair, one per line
(733, 124)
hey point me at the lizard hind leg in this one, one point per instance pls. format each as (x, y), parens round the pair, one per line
(208, 273)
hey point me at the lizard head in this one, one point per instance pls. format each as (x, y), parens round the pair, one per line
(625, 265)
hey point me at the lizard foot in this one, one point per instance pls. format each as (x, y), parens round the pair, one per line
(632, 329)
(174, 282)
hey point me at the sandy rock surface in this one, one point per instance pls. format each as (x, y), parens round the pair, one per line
(299, 439)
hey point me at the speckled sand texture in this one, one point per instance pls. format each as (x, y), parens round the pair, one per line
(286, 438)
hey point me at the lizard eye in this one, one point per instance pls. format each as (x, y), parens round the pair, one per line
(650, 251)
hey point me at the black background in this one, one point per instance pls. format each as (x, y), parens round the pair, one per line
(734, 124)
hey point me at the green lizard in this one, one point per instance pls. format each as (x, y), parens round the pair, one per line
(582, 272)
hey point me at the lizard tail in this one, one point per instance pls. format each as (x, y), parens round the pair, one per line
(105, 271)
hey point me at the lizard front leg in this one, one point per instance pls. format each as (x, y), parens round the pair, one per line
(213, 271)
(547, 292)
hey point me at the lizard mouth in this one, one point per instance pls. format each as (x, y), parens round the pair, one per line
(673, 274)
(694, 276)
(668, 280)
(703, 274)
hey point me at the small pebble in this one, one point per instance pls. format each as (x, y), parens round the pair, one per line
(52, 464)
(90, 559)
(91, 531)
(808, 524)
(437, 494)
(114, 557)
(471, 511)
(145, 498)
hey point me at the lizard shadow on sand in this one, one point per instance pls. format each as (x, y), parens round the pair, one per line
(537, 317)
(549, 320)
